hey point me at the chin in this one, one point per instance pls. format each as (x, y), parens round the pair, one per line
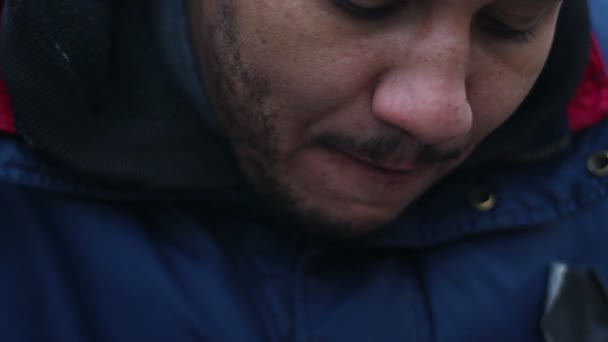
(344, 230)
(345, 223)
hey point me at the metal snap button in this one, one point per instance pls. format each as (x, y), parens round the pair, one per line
(597, 164)
(482, 200)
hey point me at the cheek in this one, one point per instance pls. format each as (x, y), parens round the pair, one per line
(315, 66)
(497, 85)
(502, 75)
(494, 96)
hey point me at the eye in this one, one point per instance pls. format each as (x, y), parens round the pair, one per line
(370, 9)
(502, 30)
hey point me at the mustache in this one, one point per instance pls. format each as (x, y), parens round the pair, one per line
(394, 147)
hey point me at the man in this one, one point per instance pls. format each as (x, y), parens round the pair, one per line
(327, 170)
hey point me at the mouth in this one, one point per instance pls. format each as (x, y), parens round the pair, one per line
(386, 172)
(390, 155)
(391, 167)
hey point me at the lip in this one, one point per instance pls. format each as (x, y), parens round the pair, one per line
(380, 172)
(403, 167)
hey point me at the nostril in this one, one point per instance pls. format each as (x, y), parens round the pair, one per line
(431, 106)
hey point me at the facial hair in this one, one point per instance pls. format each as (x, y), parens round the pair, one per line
(238, 95)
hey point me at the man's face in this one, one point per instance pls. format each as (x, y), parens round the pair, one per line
(342, 113)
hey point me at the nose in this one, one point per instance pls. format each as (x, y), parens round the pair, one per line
(425, 94)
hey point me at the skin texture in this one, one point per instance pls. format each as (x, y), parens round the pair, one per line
(340, 121)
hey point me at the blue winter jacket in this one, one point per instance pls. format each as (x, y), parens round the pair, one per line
(82, 261)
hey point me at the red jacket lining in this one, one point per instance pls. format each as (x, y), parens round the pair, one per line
(7, 124)
(590, 104)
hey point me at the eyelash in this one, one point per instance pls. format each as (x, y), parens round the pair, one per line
(494, 26)
(500, 29)
(369, 13)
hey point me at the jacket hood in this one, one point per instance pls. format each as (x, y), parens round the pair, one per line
(92, 90)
